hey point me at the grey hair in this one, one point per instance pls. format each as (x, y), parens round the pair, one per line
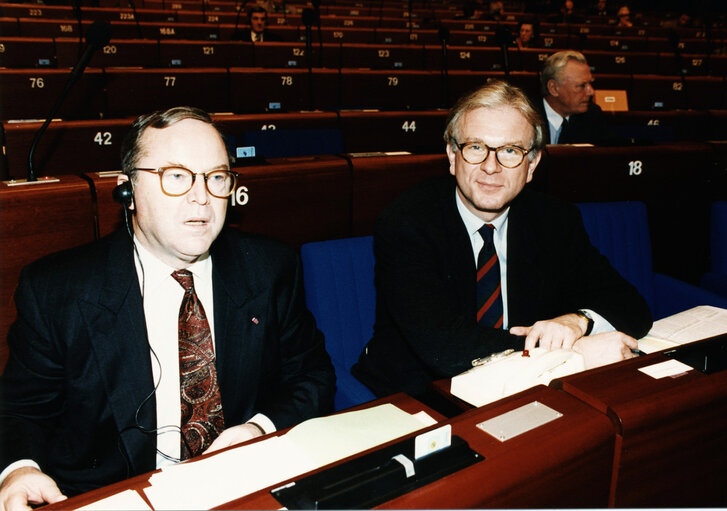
(555, 64)
(496, 94)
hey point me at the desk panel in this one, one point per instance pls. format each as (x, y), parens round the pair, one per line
(564, 463)
(258, 500)
(672, 435)
(35, 220)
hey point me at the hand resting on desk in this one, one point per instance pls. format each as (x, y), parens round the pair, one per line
(566, 332)
(560, 332)
(605, 348)
(234, 435)
(28, 485)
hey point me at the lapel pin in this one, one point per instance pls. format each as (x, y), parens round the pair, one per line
(255, 320)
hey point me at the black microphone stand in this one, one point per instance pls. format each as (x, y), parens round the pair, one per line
(99, 35)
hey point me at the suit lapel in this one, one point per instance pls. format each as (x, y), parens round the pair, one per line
(459, 249)
(524, 278)
(117, 333)
(241, 318)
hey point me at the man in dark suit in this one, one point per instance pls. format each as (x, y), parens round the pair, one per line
(258, 33)
(554, 288)
(567, 105)
(103, 381)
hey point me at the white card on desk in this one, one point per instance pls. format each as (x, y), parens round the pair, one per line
(432, 441)
(518, 421)
(664, 369)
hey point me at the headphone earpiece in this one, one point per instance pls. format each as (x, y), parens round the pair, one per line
(124, 194)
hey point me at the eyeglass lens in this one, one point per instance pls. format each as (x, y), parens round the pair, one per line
(178, 181)
(507, 156)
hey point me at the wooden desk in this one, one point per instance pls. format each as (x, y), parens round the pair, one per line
(35, 220)
(258, 500)
(671, 432)
(565, 463)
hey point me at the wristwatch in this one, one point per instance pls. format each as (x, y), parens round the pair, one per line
(589, 321)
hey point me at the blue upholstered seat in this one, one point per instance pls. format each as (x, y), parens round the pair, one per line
(716, 279)
(620, 231)
(339, 284)
(338, 276)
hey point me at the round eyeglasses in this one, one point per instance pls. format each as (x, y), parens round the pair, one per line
(176, 181)
(509, 156)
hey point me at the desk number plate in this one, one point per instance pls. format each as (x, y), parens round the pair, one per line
(518, 421)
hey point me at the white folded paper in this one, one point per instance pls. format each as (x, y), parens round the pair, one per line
(511, 374)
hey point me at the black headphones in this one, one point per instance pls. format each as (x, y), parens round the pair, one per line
(124, 194)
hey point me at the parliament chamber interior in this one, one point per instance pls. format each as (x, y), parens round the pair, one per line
(339, 115)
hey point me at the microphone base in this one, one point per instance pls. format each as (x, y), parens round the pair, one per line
(39, 181)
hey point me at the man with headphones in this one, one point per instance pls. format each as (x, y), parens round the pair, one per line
(155, 344)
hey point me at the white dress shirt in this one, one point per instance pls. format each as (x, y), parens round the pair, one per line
(555, 121)
(473, 224)
(162, 297)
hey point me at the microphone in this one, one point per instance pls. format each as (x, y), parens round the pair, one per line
(309, 17)
(503, 37)
(409, 12)
(235, 33)
(136, 18)
(674, 40)
(98, 35)
(76, 5)
(317, 10)
(443, 34)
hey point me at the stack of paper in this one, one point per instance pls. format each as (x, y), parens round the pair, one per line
(688, 326)
(312, 444)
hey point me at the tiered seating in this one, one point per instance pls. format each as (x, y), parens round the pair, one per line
(36, 220)
(370, 56)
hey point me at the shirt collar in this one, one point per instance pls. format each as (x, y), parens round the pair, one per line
(473, 223)
(152, 272)
(554, 118)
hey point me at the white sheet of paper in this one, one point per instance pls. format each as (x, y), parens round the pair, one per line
(691, 325)
(314, 443)
(663, 369)
(652, 344)
(329, 439)
(127, 499)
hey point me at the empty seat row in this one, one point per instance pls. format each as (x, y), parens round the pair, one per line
(361, 16)
(118, 92)
(96, 143)
(47, 52)
(220, 27)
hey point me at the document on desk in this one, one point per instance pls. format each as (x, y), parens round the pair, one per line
(128, 499)
(312, 444)
(684, 327)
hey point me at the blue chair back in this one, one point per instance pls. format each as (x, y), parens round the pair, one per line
(620, 231)
(718, 237)
(338, 276)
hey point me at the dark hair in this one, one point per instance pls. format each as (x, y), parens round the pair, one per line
(255, 9)
(130, 147)
(496, 94)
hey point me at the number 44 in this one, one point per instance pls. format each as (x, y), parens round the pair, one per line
(409, 126)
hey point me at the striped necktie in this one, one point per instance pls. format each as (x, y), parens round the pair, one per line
(489, 297)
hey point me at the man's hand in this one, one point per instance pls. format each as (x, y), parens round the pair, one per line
(25, 486)
(234, 435)
(605, 348)
(551, 334)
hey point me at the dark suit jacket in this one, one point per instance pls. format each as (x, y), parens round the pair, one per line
(590, 127)
(268, 37)
(425, 283)
(79, 367)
